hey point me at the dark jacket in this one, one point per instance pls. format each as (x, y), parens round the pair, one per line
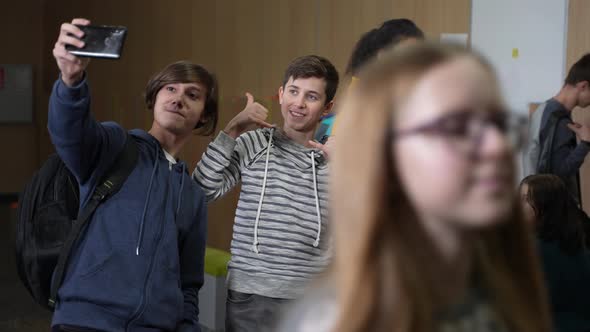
(568, 283)
(560, 154)
(139, 266)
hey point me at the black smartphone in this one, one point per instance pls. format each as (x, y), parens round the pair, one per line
(100, 41)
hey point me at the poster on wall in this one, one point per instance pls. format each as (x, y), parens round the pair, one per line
(16, 93)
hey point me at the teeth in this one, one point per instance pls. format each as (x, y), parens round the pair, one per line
(296, 114)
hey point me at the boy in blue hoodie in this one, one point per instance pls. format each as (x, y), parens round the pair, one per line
(139, 264)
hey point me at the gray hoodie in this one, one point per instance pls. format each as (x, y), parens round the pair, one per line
(279, 236)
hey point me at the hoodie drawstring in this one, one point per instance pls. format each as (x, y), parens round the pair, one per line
(255, 242)
(149, 191)
(315, 187)
(317, 201)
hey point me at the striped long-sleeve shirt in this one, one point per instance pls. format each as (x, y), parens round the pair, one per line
(280, 238)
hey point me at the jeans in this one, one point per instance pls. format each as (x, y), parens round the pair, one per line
(251, 312)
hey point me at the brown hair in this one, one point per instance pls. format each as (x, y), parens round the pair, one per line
(580, 71)
(557, 215)
(314, 66)
(382, 283)
(187, 72)
(390, 33)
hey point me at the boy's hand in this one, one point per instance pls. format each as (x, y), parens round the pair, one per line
(253, 116)
(71, 67)
(582, 131)
(325, 148)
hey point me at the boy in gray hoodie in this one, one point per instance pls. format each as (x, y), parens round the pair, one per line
(279, 235)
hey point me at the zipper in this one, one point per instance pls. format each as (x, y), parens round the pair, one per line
(140, 309)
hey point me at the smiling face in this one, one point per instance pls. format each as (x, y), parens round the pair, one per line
(178, 107)
(303, 103)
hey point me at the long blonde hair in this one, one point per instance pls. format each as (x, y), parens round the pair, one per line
(381, 281)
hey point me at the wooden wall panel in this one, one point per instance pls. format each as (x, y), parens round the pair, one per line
(436, 17)
(21, 38)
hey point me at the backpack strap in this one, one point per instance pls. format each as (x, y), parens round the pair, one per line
(113, 180)
(544, 162)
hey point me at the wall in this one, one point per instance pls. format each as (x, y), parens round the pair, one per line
(526, 24)
(22, 36)
(22, 44)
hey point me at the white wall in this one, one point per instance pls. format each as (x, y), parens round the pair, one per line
(538, 29)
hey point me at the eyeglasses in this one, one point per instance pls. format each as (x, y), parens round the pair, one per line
(464, 130)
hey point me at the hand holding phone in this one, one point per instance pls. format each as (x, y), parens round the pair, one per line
(324, 129)
(100, 41)
(326, 148)
(581, 131)
(71, 67)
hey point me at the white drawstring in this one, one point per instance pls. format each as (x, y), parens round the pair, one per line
(317, 201)
(255, 243)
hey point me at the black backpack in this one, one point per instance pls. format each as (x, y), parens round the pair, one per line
(49, 223)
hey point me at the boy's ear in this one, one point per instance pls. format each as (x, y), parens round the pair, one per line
(582, 85)
(202, 121)
(280, 95)
(328, 108)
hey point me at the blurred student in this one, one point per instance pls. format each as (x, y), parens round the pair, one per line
(553, 136)
(429, 235)
(399, 31)
(561, 240)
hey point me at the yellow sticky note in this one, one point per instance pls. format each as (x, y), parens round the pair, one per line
(515, 53)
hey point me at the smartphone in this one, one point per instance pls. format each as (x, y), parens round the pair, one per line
(324, 129)
(100, 41)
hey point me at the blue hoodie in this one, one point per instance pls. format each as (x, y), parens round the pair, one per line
(139, 266)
